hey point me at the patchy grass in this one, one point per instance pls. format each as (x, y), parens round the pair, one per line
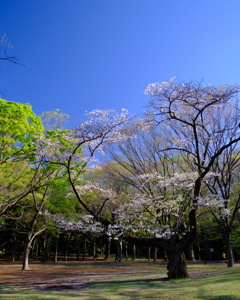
(115, 281)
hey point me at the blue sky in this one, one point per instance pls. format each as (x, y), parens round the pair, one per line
(101, 54)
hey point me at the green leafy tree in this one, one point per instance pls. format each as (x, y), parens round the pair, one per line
(19, 129)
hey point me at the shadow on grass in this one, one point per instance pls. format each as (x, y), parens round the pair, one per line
(225, 297)
(202, 295)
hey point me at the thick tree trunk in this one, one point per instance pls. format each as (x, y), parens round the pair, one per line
(174, 248)
(177, 267)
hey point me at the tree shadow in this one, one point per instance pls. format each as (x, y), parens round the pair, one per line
(202, 294)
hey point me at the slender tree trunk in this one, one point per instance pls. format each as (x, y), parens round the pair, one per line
(36, 248)
(126, 250)
(134, 252)
(94, 248)
(149, 253)
(13, 253)
(44, 250)
(56, 248)
(230, 258)
(155, 251)
(191, 253)
(14, 247)
(120, 249)
(107, 251)
(165, 255)
(67, 245)
(199, 250)
(84, 247)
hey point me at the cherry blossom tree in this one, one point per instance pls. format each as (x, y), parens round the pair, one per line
(196, 125)
(204, 121)
(88, 138)
(78, 149)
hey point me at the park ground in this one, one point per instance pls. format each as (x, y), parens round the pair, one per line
(110, 280)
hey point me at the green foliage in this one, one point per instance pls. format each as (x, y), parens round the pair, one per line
(18, 127)
(61, 201)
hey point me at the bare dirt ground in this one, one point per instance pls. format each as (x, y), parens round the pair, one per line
(67, 275)
(74, 275)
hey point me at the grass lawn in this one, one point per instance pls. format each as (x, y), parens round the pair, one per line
(115, 281)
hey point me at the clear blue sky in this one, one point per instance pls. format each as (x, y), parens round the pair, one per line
(101, 54)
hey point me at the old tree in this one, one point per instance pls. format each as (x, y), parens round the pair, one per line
(187, 129)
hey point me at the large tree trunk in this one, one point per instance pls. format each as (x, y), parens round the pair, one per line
(177, 267)
(174, 248)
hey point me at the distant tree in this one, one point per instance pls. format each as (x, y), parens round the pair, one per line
(55, 119)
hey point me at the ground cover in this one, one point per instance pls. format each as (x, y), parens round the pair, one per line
(107, 280)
